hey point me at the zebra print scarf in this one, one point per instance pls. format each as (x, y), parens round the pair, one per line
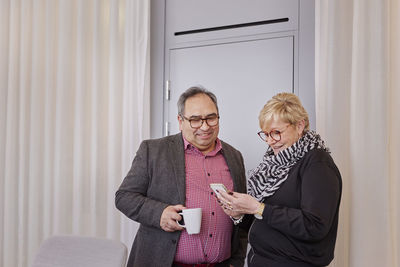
(274, 169)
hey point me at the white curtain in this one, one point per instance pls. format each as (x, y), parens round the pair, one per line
(74, 105)
(358, 109)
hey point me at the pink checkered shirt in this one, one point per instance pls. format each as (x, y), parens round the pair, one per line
(213, 243)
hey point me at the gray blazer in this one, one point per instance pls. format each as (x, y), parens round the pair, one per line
(157, 180)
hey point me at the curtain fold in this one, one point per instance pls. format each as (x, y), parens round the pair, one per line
(394, 128)
(357, 99)
(74, 106)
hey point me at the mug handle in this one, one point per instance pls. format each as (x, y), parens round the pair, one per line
(182, 225)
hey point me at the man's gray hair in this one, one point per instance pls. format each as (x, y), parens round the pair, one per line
(192, 91)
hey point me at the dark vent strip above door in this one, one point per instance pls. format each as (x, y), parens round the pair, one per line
(234, 26)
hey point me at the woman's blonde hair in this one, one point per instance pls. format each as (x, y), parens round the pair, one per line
(286, 107)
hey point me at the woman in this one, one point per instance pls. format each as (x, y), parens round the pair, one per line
(294, 193)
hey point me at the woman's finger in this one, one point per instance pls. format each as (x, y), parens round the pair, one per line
(226, 196)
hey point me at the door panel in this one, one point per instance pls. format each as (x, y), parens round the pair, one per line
(189, 15)
(243, 76)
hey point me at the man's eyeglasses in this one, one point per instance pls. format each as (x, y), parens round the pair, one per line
(274, 134)
(197, 122)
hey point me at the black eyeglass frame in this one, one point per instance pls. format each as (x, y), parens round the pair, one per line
(202, 121)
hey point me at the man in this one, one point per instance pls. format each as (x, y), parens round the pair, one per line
(174, 173)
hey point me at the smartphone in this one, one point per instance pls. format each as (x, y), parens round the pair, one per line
(219, 187)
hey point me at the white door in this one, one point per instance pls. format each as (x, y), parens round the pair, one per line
(243, 75)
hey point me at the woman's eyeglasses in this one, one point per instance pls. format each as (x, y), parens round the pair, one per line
(274, 134)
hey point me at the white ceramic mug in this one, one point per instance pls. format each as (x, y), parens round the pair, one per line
(192, 220)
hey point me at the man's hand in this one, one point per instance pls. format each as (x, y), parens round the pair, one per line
(169, 217)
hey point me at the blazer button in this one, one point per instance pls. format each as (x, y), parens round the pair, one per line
(173, 241)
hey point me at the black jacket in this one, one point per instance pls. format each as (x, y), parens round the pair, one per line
(300, 220)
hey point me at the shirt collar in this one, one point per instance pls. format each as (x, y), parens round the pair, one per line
(189, 146)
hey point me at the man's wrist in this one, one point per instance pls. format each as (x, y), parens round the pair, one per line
(236, 221)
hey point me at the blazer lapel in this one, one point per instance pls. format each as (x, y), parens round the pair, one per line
(178, 163)
(232, 165)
